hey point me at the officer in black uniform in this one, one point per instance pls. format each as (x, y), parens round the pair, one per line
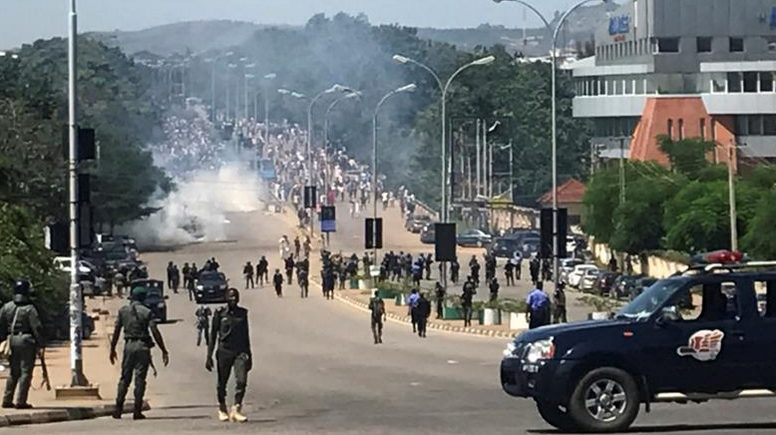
(230, 331)
(20, 324)
(139, 325)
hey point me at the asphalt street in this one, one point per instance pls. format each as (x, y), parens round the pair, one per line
(317, 371)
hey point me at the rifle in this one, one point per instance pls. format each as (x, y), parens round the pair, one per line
(44, 370)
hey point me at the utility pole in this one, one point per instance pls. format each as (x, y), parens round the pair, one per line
(622, 170)
(478, 156)
(76, 302)
(732, 197)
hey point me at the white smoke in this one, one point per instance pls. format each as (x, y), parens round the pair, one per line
(197, 211)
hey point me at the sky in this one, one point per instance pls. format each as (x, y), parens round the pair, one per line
(24, 21)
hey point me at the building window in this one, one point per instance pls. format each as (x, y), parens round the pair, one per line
(736, 45)
(718, 82)
(703, 128)
(713, 129)
(670, 128)
(668, 45)
(734, 84)
(681, 129)
(704, 44)
(755, 125)
(770, 42)
(750, 82)
(742, 126)
(639, 89)
(769, 125)
(766, 82)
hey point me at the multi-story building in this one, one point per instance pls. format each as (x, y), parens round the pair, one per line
(683, 68)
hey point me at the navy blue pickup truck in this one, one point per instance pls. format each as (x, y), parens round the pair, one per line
(708, 333)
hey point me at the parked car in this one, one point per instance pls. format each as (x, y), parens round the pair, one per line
(428, 234)
(473, 238)
(639, 286)
(155, 299)
(566, 266)
(520, 234)
(605, 282)
(575, 277)
(588, 279)
(415, 224)
(504, 247)
(530, 246)
(211, 287)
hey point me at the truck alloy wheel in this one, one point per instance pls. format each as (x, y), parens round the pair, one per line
(604, 400)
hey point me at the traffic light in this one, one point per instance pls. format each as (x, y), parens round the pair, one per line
(444, 242)
(310, 197)
(374, 233)
(546, 231)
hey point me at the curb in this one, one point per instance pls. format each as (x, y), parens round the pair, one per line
(406, 320)
(64, 414)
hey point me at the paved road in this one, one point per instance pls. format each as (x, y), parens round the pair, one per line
(317, 371)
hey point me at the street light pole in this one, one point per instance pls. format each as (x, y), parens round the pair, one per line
(268, 77)
(554, 59)
(407, 88)
(76, 302)
(327, 175)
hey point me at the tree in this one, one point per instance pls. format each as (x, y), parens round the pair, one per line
(687, 156)
(638, 222)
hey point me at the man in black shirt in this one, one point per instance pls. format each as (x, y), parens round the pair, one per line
(230, 331)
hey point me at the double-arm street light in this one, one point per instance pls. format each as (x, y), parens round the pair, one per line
(554, 56)
(327, 175)
(213, 74)
(267, 79)
(443, 211)
(403, 89)
(444, 89)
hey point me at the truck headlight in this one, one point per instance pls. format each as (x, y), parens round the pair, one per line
(509, 352)
(222, 287)
(160, 305)
(540, 350)
(200, 287)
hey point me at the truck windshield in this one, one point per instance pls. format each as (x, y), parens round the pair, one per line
(651, 299)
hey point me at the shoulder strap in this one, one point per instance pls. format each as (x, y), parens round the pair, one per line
(15, 316)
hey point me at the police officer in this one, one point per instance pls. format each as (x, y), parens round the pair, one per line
(469, 290)
(423, 311)
(379, 316)
(262, 271)
(230, 332)
(139, 325)
(440, 300)
(20, 324)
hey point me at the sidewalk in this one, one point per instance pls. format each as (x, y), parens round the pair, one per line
(97, 368)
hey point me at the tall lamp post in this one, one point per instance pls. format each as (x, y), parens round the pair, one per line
(76, 302)
(443, 212)
(403, 89)
(554, 56)
(213, 75)
(267, 78)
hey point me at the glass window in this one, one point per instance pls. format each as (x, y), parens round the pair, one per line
(766, 82)
(668, 45)
(629, 87)
(718, 83)
(750, 81)
(703, 128)
(755, 125)
(704, 44)
(734, 82)
(713, 129)
(640, 86)
(770, 41)
(769, 126)
(681, 129)
(736, 45)
(670, 128)
(742, 126)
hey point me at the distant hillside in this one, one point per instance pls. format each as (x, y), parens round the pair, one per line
(193, 36)
(201, 36)
(580, 27)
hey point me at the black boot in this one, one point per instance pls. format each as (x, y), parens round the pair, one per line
(138, 413)
(118, 411)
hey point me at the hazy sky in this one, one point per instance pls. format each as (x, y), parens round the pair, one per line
(26, 20)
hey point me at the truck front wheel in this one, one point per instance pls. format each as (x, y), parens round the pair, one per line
(604, 400)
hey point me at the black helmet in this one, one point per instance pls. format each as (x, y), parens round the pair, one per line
(22, 287)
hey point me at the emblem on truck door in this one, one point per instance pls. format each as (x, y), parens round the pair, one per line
(704, 345)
